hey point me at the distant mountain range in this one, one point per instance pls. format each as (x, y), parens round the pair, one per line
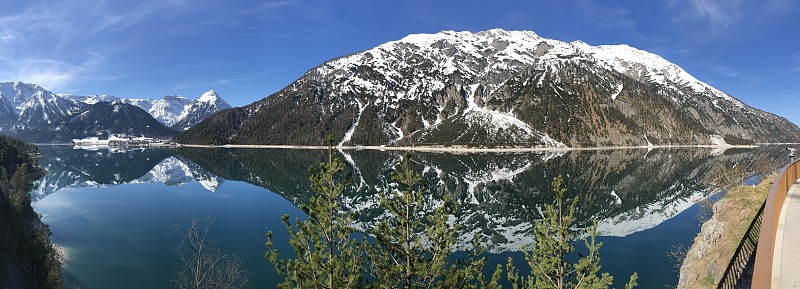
(34, 114)
(174, 111)
(495, 88)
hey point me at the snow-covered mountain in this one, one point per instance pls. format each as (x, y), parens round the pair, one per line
(167, 110)
(177, 171)
(76, 168)
(32, 106)
(18, 92)
(90, 99)
(32, 113)
(103, 119)
(35, 114)
(496, 88)
(208, 104)
(174, 111)
(12, 95)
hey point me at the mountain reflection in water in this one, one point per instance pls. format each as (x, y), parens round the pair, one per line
(500, 195)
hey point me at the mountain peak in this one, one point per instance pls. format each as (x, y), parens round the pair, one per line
(20, 87)
(209, 96)
(28, 85)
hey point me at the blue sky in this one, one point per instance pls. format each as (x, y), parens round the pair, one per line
(247, 50)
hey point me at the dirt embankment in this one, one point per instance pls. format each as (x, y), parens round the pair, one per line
(713, 248)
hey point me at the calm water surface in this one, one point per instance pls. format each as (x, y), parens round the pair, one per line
(112, 210)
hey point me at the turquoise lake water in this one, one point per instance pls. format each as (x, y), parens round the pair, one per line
(112, 210)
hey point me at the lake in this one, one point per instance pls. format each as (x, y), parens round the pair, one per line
(112, 210)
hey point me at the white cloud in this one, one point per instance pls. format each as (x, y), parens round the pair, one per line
(267, 7)
(608, 17)
(730, 72)
(7, 36)
(795, 58)
(616, 20)
(135, 15)
(210, 84)
(51, 74)
(718, 13)
(723, 16)
(56, 44)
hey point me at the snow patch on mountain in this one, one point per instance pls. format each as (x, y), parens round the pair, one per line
(352, 129)
(645, 217)
(617, 91)
(209, 96)
(640, 64)
(44, 107)
(17, 93)
(166, 110)
(493, 174)
(173, 171)
(90, 99)
(474, 55)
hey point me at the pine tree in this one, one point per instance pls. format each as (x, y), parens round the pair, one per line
(546, 257)
(327, 254)
(19, 181)
(401, 258)
(20, 186)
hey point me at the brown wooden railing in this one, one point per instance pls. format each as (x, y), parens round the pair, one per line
(743, 254)
(762, 272)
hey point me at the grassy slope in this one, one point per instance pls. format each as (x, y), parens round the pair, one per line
(714, 246)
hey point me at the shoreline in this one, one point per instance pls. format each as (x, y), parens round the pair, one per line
(469, 149)
(456, 148)
(706, 259)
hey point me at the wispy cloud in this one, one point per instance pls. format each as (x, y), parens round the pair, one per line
(135, 15)
(34, 20)
(609, 17)
(209, 84)
(515, 19)
(52, 74)
(719, 14)
(617, 20)
(796, 62)
(721, 18)
(730, 72)
(267, 7)
(58, 44)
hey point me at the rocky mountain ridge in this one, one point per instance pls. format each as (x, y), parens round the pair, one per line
(495, 88)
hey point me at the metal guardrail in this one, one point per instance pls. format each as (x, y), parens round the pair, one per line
(743, 254)
(762, 272)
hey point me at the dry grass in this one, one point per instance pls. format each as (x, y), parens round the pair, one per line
(714, 246)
